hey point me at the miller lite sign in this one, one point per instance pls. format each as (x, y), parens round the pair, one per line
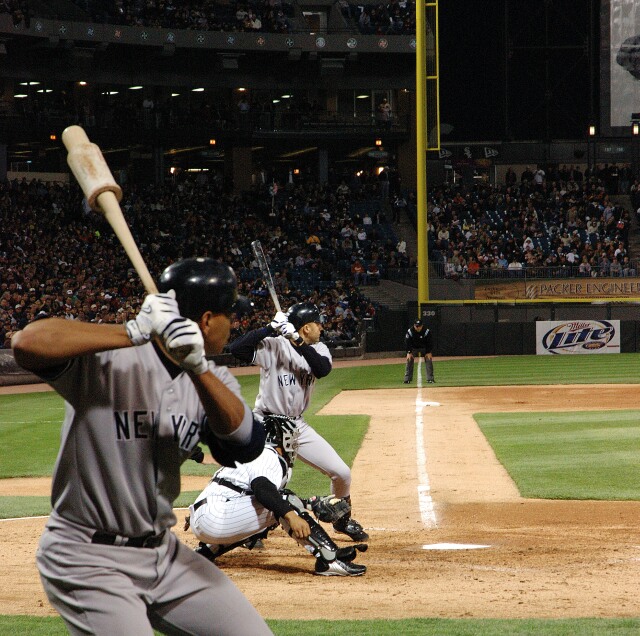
(577, 336)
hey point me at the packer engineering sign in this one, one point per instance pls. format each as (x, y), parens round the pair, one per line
(577, 336)
(549, 289)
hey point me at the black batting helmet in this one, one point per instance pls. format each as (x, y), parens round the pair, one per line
(201, 284)
(302, 313)
(283, 432)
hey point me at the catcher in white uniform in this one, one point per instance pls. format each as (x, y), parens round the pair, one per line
(291, 357)
(240, 505)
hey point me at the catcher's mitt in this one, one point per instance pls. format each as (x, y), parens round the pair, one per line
(328, 509)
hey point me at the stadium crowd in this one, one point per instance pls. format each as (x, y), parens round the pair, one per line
(60, 258)
(558, 222)
(396, 17)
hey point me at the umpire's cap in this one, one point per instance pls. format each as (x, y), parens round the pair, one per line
(302, 313)
(417, 323)
(203, 284)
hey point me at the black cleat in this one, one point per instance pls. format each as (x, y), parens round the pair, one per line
(204, 550)
(351, 528)
(407, 381)
(338, 568)
(431, 381)
(348, 554)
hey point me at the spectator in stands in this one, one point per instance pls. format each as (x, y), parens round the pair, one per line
(373, 273)
(359, 273)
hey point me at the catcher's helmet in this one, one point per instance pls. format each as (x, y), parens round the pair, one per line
(283, 432)
(302, 313)
(201, 284)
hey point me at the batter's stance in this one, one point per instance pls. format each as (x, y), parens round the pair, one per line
(240, 505)
(418, 342)
(289, 365)
(108, 560)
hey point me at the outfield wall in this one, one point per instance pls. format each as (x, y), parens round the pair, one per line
(485, 329)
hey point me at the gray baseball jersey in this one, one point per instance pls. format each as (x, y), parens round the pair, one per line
(229, 516)
(128, 427)
(286, 387)
(286, 381)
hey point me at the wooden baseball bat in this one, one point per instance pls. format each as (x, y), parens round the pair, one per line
(103, 194)
(258, 252)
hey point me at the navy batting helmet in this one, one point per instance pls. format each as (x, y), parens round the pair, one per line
(283, 432)
(201, 284)
(302, 313)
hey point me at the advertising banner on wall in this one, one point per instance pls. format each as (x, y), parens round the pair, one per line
(577, 336)
(550, 289)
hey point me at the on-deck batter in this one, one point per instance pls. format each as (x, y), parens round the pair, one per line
(107, 558)
(289, 365)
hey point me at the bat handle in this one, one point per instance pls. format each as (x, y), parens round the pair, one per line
(113, 214)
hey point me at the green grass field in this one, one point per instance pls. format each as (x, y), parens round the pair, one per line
(577, 455)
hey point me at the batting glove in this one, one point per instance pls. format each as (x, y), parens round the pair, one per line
(278, 320)
(157, 313)
(289, 331)
(185, 345)
(136, 335)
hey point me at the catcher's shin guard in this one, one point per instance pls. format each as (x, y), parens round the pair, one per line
(318, 543)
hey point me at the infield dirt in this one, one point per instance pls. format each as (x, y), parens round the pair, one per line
(546, 559)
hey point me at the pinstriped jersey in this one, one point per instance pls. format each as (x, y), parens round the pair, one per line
(286, 380)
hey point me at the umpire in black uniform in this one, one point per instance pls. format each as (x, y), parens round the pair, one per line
(418, 342)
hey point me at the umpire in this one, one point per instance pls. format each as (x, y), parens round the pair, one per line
(418, 342)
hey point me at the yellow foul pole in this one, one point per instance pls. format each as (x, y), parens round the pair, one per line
(421, 152)
(427, 123)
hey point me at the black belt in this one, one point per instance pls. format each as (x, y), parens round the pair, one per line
(145, 541)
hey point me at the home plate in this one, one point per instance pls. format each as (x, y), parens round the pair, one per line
(454, 546)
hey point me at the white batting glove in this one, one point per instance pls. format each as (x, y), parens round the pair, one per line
(136, 335)
(157, 312)
(278, 320)
(289, 331)
(185, 345)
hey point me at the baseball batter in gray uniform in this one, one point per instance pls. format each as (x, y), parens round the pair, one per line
(138, 399)
(291, 358)
(243, 503)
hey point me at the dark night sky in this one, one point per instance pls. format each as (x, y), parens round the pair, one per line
(539, 90)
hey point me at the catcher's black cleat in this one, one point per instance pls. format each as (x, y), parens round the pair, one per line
(338, 568)
(204, 550)
(348, 554)
(351, 528)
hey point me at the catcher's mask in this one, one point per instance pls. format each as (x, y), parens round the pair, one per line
(282, 432)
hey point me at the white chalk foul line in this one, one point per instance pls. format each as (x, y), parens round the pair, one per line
(425, 501)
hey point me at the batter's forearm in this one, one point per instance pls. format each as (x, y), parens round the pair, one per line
(225, 410)
(320, 365)
(54, 341)
(244, 347)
